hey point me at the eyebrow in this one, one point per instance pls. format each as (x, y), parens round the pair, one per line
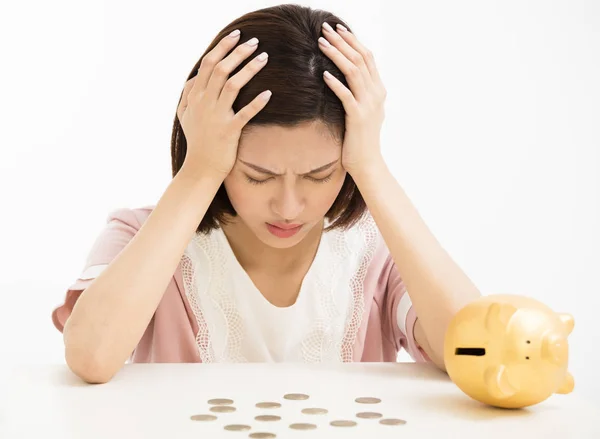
(268, 172)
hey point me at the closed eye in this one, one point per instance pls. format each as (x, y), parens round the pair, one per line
(255, 181)
(313, 179)
(320, 180)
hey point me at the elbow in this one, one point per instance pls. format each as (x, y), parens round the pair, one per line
(86, 362)
(88, 366)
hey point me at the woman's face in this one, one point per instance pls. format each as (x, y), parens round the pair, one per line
(285, 180)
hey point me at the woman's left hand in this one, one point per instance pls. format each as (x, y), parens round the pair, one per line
(363, 103)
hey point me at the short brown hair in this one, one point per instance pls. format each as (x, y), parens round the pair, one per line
(294, 73)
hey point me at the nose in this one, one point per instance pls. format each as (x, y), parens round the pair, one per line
(288, 204)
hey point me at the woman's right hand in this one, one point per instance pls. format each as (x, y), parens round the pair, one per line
(212, 129)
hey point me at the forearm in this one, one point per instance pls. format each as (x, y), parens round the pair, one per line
(438, 288)
(110, 316)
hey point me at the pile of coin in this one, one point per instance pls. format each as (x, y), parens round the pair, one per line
(224, 405)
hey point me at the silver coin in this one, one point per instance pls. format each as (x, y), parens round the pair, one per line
(268, 405)
(368, 415)
(262, 435)
(203, 418)
(220, 401)
(392, 421)
(296, 396)
(368, 400)
(237, 427)
(268, 418)
(343, 423)
(314, 411)
(222, 409)
(303, 426)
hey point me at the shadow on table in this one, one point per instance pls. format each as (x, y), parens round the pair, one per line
(65, 377)
(418, 371)
(463, 407)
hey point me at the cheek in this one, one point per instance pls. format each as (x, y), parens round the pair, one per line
(241, 198)
(327, 195)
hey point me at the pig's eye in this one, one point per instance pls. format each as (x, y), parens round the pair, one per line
(528, 341)
(527, 358)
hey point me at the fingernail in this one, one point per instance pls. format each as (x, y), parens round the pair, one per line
(262, 56)
(342, 28)
(324, 42)
(266, 95)
(327, 74)
(252, 42)
(327, 27)
(235, 33)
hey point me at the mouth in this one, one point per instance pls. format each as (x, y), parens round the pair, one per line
(284, 231)
(473, 352)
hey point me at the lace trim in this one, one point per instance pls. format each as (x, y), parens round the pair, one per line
(337, 274)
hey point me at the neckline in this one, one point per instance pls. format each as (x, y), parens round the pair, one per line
(252, 286)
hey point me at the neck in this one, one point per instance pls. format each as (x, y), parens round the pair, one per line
(253, 254)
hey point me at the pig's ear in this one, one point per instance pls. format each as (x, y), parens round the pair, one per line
(568, 322)
(498, 315)
(497, 382)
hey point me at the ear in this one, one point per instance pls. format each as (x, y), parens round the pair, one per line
(498, 316)
(568, 322)
(498, 385)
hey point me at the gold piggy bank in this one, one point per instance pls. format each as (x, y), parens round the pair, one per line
(509, 351)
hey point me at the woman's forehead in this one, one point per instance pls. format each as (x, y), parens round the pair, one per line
(313, 133)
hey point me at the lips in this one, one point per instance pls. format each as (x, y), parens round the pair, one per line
(284, 230)
(285, 226)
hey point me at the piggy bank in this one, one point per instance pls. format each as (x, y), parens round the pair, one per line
(509, 351)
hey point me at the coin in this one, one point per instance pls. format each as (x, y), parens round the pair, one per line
(203, 418)
(268, 405)
(220, 401)
(368, 400)
(296, 396)
(237, 427)
(368, 415)
(267, 418)
(392, 422)
(343, 423)
(261, 435)
(302, 426)
(314, 411)
(222, 409)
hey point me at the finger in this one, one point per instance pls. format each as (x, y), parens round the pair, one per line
(243, 116)
(347, 50)
(183, 103)
(342, 92)
(224, 68)
(367, 55)
(352, 72)
(234, 84)
(210, 60)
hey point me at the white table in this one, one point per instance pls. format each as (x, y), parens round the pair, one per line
(157, 400)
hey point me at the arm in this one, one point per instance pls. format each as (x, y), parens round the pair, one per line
(438, 288)
(112, 313)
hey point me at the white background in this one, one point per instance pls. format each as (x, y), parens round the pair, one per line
(491, 127)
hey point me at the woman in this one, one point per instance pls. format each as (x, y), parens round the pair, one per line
(283, 236)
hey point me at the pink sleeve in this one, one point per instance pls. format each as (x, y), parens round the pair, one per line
(401, 315)
(121, 226)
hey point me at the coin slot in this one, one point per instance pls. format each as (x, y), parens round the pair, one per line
(473, 352)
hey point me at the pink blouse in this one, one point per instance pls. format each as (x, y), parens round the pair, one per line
(386, 324)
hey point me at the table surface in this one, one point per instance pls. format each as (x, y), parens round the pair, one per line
(157, 401)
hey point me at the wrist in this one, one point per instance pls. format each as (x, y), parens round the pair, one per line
(368, 170)
(199, 173)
